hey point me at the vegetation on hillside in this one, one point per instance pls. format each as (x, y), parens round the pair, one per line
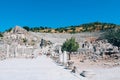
(1, 35)
(70, 45)
(8, 30)
(89, 27)
(38, 29)
(113, 36)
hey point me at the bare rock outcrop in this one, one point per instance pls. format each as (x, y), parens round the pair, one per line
(18, 30)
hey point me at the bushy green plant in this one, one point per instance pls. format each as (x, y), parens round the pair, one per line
(113, 36)
(70, 45)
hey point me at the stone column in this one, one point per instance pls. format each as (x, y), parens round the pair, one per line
(65, 57)
(61, 58)
(60, 50)
(22, 51)
(8, 51)
(16, 53)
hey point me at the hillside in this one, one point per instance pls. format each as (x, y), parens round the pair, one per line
(88, 27)
(59, 38)
(85, 30)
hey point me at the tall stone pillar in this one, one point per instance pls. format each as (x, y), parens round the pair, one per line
(60, 50)
(8, 51)
(61, 59)
(65, 57)
(16, 53)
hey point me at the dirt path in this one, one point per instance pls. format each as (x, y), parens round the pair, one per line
(41, 68)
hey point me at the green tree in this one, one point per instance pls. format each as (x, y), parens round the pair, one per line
(113, 36)
(8, 30)
(41, 28)
(49, 31)
(1, 35)
(26, 28)
(70, 45)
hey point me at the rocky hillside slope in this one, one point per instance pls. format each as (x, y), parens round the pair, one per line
(24, 37)
(61, 37)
